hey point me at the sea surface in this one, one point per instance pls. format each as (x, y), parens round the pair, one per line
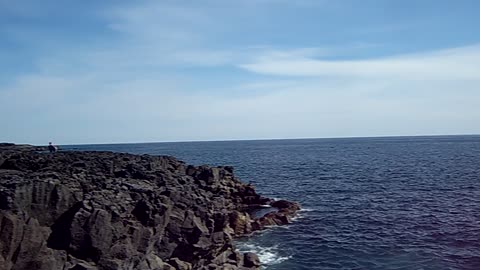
(368, 203)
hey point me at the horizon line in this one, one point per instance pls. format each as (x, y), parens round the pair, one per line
(276, 139)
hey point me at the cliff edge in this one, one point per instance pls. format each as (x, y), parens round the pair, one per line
(115, 211)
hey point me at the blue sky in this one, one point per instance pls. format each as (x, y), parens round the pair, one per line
(137, 71)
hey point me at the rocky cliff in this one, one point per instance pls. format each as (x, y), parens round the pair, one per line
(103, 210)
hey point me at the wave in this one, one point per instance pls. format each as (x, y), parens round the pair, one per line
(307, 210)
(301, 214)
(267, 255)
(297, 217)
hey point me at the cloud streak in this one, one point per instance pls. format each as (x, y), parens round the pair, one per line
(451, 64)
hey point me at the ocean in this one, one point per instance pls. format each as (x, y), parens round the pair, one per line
(367, 203)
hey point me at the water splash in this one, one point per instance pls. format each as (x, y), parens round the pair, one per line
(267, 255)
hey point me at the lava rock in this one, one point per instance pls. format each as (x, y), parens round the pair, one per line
(104, 210)
(251, 260)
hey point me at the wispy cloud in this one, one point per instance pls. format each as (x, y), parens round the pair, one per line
(453, 64)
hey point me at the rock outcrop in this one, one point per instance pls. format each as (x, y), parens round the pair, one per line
(103, 210)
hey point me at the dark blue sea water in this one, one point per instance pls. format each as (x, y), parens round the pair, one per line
(369, 203)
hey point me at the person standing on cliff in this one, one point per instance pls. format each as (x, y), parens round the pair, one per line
(52, 148)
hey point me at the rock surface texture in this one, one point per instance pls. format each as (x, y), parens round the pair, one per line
(103, 210)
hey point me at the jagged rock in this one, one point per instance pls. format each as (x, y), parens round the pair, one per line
(6, 144)
(180, 265)
(103, 210)
(284, 205)
(240, 223)
(251, 260)
(83, 266)
(228, 267)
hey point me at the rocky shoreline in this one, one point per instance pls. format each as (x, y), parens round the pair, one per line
(104, 210)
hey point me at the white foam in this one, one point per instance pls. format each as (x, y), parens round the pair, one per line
(301, 214)
(297, 217)
(267, 255)
(286, 227)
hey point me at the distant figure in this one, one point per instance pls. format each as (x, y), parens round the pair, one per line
(52, 148)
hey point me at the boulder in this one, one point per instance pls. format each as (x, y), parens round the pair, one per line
(251, 260)
(179, 265)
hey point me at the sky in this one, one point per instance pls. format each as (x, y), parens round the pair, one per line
(75, 72)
